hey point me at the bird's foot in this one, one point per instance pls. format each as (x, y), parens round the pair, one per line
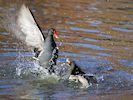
(35, 58)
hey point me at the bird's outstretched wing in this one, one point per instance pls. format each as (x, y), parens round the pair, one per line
(29, 29)
(23, 25)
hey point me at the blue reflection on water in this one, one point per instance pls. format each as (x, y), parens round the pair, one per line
(91, 40)
(6, 93)
(4, 33)
(93, 61)
(88, 46)
(72, 54)
(128, 63)
(15, 54)
(105, 36)
(84, 30)
(5, 86)
(6, 43)
(103, 54)
(94, 22)
(123, 74)
(71, 23)
(122, 29)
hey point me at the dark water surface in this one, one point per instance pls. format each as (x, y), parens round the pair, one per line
(97, 34)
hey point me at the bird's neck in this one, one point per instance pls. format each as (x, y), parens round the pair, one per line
(49, 43)
(50, 38)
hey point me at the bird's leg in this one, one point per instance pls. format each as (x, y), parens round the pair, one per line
(51, 69)
(55, 53)
(37, 52)
(51, 62)
(54, 57)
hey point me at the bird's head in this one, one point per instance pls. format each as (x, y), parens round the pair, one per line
(70, 61)
(53, 32)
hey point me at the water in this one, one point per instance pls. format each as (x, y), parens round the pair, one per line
(97, 34)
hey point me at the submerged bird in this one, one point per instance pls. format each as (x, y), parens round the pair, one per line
(63, 70)
(71, 71)
(26, 29)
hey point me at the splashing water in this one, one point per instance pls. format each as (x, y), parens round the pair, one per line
(28, 68)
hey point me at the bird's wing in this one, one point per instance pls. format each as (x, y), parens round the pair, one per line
(29, 28)
(28, 31)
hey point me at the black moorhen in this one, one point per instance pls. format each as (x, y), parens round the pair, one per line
(71, 71)
(49, 54)
(26, 29)
(68, 68)
(79, 75)
(76, 69)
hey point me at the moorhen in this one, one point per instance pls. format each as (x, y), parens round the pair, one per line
(80, 76)
(27, 30)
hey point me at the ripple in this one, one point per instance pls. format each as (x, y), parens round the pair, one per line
(64, 36)
(4, 33)
(103, 54)
(94, 22)
(72, 54)
(84, 30)
(123, 74)
(121, 29)
(11, 49)
(105, 36)
(71, 23)
(6, 43)
(91, 40)
(5, 86)
(94, 62)
(5, 93)
(64, 31)
(128, 63)
(88, 46)
(15, 54)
